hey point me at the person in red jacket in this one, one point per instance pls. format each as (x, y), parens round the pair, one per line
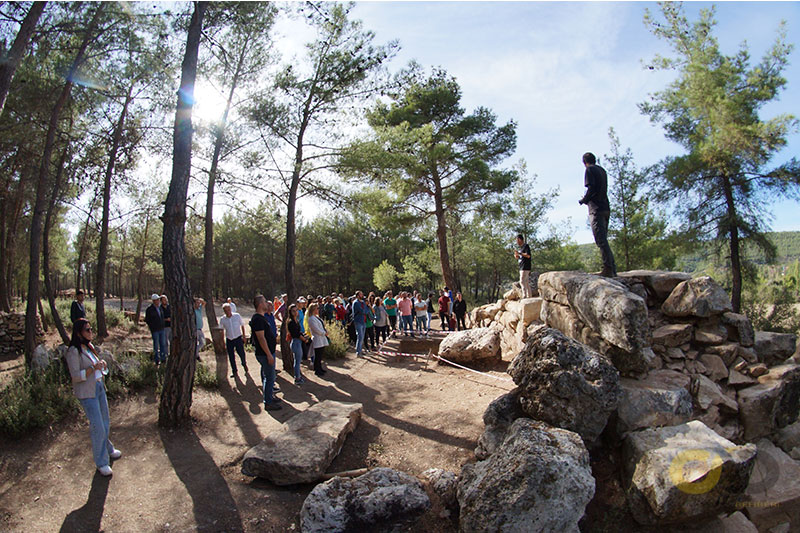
(444, 310)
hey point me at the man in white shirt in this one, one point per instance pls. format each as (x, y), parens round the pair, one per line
(235, 336)
(233, 305)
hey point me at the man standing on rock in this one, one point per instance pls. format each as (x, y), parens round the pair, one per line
(596, 197)
(523, 255)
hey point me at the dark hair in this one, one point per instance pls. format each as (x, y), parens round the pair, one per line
(78, 340)
(588, 157)
(520, 237)
(258, 299)
(79, 292)
(289, 312)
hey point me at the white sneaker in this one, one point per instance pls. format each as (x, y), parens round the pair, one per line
(105, 470)
(116, 454)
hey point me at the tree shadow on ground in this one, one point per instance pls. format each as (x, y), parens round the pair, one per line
(89, 516)
(213, 504)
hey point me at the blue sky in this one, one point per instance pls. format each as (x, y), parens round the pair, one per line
(566, 72)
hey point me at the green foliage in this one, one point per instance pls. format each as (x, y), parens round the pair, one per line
(204, 377)
(721, 187)
(637, 233)
(337, 337)
(414, 275)
(384, 276)
(772, 306)
(35, 400)
(114, 317)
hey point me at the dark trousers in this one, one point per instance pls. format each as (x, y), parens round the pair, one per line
(319, 353)
(238, 345)
(351, 332)
(393, 322)
(445, 318)
(381, 331)
(460, 323)
(371, 337)
(599, 222)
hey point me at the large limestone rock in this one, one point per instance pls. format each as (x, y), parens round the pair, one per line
(606, 306)
(658, 400)
(565, 384)
(659, 283)
(772, 498)
(771, 404)
(681, 473)
(700, 297)
(531, 309)
(708, 393)
(673, 335)
(380, 500)
(41, 358)
(774, 348)
(305, 446)
(740, 329)
(538, 480)
(477, 344)
(444, 484)
(497, 418)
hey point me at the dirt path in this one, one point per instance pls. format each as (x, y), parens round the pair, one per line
(414, 419)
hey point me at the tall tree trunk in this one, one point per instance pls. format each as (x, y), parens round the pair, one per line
(41, 187)
(82, 248)
(176, 396)
(48, 226)
(140, 276)
(733, 231)
(10, 221)
(441, 236)
(14, 56)
(102, 252)
(120, 279)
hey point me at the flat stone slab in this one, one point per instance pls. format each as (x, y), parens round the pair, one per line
(303, 449)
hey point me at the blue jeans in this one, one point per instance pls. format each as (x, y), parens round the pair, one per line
(267, 377)
(361, 330)
(297, 350)
(96, 410)
(407, 323)
(422, 323)
(430, 315)
(159, 346)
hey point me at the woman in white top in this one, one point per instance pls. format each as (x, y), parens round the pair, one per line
(319, 337)
(87, 371)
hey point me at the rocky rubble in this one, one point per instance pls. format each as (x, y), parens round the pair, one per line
(12, 333)
(698, 388)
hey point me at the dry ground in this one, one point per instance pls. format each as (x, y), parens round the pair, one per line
(414, 418)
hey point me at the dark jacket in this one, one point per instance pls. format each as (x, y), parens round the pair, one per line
(166, 312)
(596, 182)
(460, 308)
(154, 319)
(76, 311)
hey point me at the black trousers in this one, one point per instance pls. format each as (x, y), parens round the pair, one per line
(445, 318)
(371, 337)
(599, 222)
(238, 345)
(460, 323)
(319, 353)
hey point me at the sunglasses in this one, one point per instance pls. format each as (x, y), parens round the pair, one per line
(88, 328)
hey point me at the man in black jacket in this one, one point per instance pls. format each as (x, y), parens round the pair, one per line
(596, 197)
(154, 318)
(77, 310)
(265, 342)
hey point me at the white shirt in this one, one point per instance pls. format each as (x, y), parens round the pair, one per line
(232, 325)
(233, 307)
(421, 307)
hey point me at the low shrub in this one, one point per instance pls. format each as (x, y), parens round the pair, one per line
(36, 400)
(337, 336)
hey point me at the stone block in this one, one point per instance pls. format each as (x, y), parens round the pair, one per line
(771, 404)
(700, 297)
(773, 496)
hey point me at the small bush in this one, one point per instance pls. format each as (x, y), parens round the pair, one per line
(204, 377)
(36, 400)
(337, 336)
(770, 306)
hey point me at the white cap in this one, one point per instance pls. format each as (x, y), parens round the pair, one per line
(155, 297)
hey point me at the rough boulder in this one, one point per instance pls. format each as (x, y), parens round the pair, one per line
(478, 344)
(538, 480)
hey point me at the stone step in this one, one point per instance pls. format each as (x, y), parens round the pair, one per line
(303, 449)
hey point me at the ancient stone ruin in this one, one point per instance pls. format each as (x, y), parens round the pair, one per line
(12, 333)
(655, 369)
